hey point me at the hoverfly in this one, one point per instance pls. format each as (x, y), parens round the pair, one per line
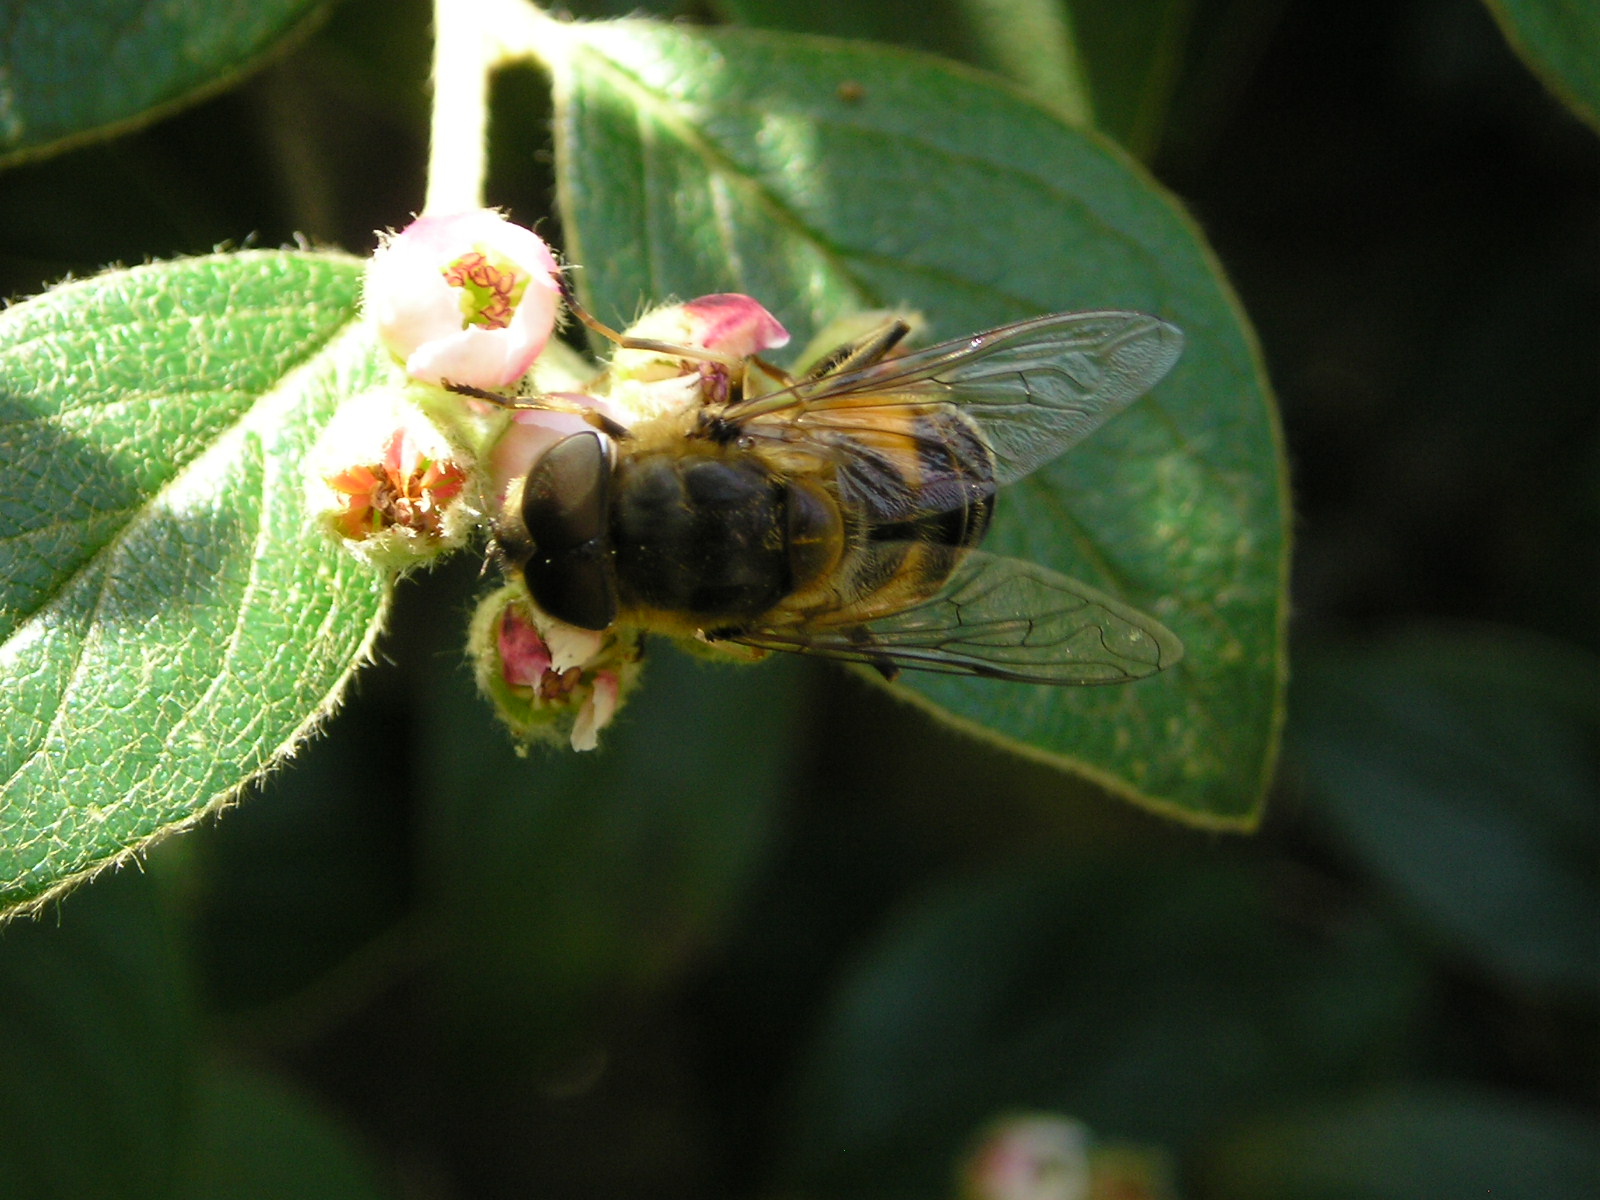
(840, 513)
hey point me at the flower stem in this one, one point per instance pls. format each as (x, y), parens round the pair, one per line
(458, 138)
(470, 39)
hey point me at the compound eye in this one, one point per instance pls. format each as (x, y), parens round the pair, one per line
(566, 503)
(566, 497)
(578, 587)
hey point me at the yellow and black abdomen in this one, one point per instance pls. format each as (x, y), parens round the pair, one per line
(915, 489)
(831, 526)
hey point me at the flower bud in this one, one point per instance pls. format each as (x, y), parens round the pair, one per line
(468, 298)
(1046, 1156)
(1029, 1157)
(532, 431)
(547, 680)
(390, 483)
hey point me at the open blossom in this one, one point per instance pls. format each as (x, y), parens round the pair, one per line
(468, 298)
(548, 679)
(405, 487)
(733, 327)
(389, 482)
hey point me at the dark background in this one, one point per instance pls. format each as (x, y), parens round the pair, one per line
(787, 936)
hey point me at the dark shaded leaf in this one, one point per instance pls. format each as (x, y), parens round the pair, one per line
(1459, 766)
(75, 68)
(695, 162)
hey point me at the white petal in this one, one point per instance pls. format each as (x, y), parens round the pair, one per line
(569, 645)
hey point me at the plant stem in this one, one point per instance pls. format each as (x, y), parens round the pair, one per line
(470, 39)
(458, 136)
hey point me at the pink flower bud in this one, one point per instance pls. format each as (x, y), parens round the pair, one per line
(727, 323)
(469, 298)
(532, 431)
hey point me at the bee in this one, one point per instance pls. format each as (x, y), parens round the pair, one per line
(840, 513)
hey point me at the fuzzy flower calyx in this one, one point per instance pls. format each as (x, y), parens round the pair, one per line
(547, 680)
(467, 298)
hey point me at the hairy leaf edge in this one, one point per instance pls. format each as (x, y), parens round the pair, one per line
(322, 711)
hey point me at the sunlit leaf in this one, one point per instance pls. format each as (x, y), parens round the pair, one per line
(172, 622)
(1028, 41)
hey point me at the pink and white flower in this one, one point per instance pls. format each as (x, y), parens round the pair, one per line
(1030, 1156)
(726, 323)
(730, 327)
(468, 298)
(394, 486)
(548, 680)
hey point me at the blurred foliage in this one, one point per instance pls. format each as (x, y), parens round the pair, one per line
(77, 70)
(821, 961)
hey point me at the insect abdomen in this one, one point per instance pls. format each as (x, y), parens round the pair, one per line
(924, 492)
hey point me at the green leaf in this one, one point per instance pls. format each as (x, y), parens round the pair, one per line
(1151, 1000)
(1458, 765)
(1427, 1144)
(71, 69)
(104, 1087)
(1560, 42)
(172, 621)
(694, 162)
(1028, 41)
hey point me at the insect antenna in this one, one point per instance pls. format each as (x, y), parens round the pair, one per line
(625, 342)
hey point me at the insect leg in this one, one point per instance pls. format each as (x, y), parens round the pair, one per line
(882, 664)
(594, 417)
(875, 347)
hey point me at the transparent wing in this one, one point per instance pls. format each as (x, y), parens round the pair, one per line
(1032, 389)
(1001, 618)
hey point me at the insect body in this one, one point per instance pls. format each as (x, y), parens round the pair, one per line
(840, 515)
